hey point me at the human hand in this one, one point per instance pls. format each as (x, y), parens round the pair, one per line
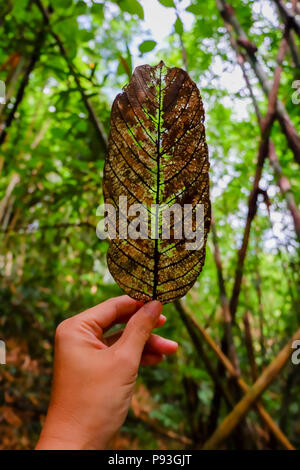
(94, 375)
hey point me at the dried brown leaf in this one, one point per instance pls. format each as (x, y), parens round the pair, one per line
(157, 155)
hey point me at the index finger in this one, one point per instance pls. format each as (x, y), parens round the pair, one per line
(110, 311)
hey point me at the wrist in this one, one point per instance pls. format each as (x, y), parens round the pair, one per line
(65, 433)
(48, 441)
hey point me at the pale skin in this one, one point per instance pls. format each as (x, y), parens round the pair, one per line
(94, 373)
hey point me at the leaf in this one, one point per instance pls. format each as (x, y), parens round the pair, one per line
(178, 26)
(98, 9)
(167, 3)
(147, 46)
(195, 9)
(157, 156)
(133, 7)
(123, 66)
(62, 3)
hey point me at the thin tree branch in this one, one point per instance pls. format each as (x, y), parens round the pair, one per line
(24, 82)
(182, 46)
(249, 346)
(241, 409)
(232, 24)
(282, 181)
(16, 63)
(230, 349)
(14, 181)
(258, 283)
(266, 126)
(232, 371)
(198, 345)
(100, 131)
(292, 45)
(288, 16)
(285, 188)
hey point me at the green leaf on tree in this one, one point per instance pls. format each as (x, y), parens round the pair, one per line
(167, 3)
(178, 26)
(133, 7)
(195, 9)
(147, 46)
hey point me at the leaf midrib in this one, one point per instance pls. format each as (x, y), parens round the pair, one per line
(156, 243)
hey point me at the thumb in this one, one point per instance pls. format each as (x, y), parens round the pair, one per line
(139, 329)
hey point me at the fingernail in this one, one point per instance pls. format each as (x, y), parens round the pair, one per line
(153, 308)
(163, 318)
(172, 343)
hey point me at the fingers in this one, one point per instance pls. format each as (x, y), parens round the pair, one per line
(161, 321)
(159, 345)
(138, 331)
(156, 344)
(107, 313)
(155, 350)
(151, 359)
(122, 319)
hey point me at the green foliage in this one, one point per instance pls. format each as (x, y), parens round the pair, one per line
(195, 9)
(133, 7)
(178, 26)
(167, 3)
(147, 46)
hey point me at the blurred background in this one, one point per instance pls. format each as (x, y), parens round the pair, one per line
(63, 62)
